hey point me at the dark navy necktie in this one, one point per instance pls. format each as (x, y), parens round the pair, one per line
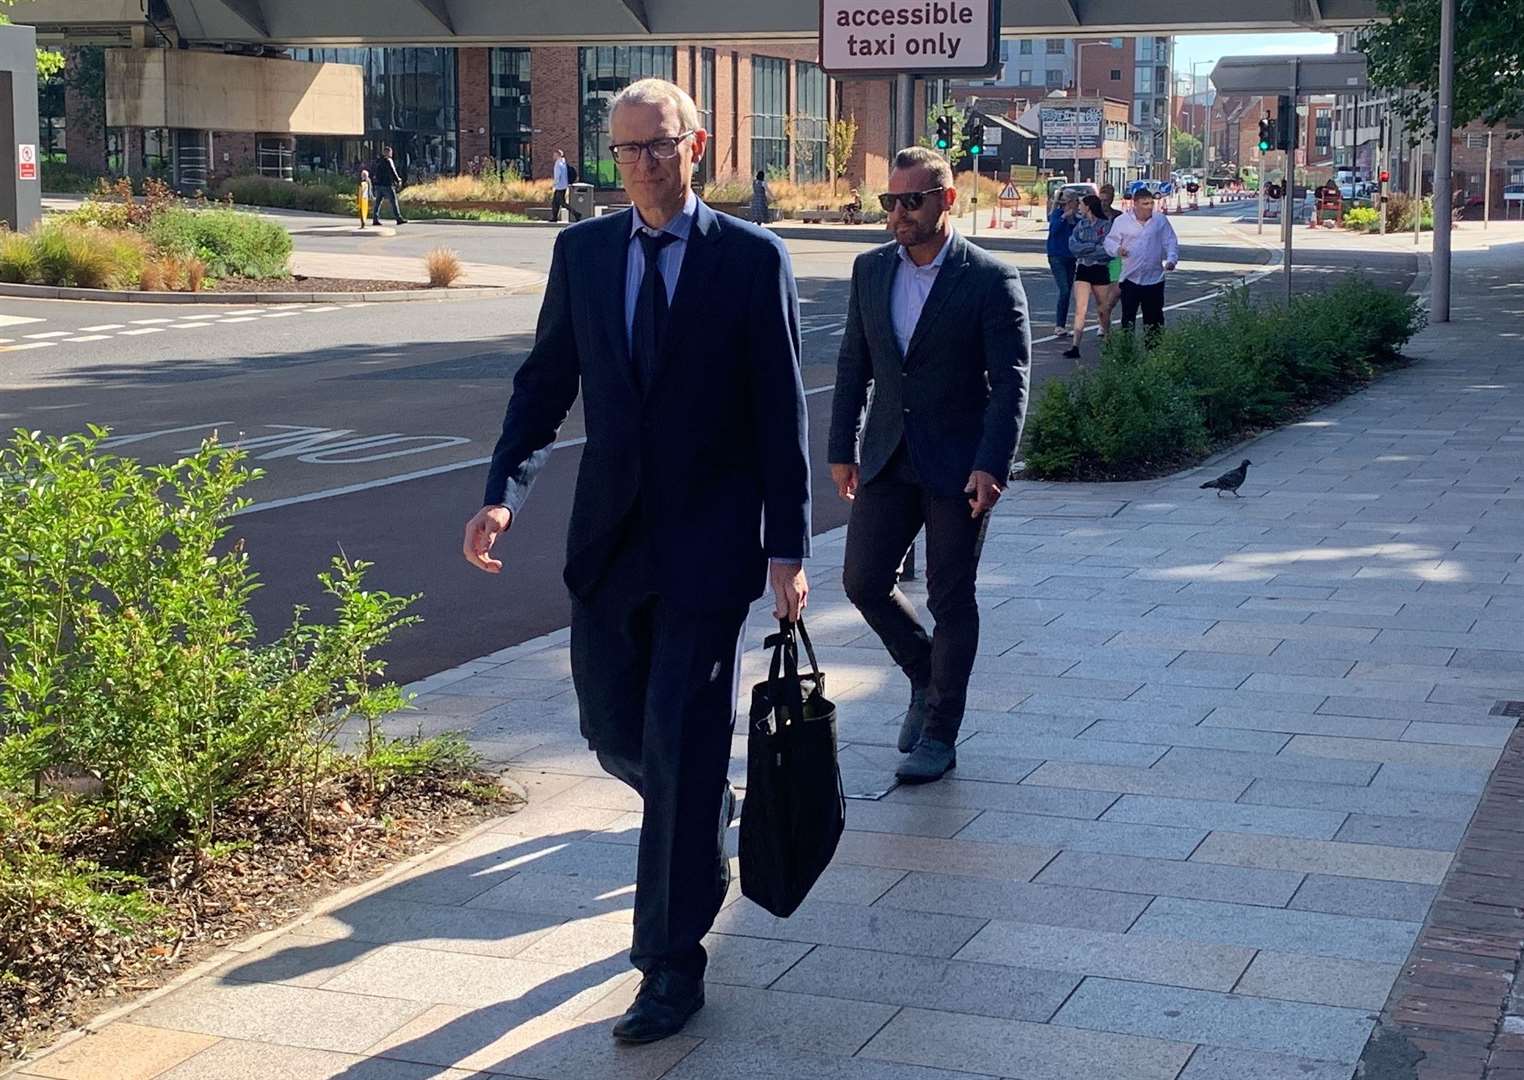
(650, 309)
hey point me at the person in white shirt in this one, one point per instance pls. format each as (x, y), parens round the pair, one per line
(560, 182)
(1147, 246)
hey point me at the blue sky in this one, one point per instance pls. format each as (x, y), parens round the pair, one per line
(1211, 47)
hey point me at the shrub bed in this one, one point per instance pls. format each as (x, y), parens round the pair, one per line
(1154, 406)
(61, 253)
(323, 195)
(229, 242)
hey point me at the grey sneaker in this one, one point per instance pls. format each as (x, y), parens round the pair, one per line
(930, 759)
(915, 719)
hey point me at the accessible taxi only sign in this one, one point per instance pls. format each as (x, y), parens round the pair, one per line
(890, 37)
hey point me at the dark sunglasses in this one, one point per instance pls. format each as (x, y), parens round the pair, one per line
(910, 200)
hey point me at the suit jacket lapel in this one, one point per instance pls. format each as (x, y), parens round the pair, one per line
(942, 289)
(883, 300)
(700, 260)
(611, 286)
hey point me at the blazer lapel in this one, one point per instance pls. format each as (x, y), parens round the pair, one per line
(611, 287)
(942, 290)
(700, 260)
(883, 301)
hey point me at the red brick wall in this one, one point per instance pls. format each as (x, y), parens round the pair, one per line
(474, 75)
(1098, 60)
(84, 119)
(722, 140)
(232, 152)
(868, 103)
(555, 99)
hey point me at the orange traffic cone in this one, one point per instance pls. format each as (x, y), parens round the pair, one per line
(994, 223)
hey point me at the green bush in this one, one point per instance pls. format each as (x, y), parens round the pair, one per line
(1209, 378)
(59, 253)
(59, 177)
(1362, 219)
(324, 195)
(18, 259)
(229, 242)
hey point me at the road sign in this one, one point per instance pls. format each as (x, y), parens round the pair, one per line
(1009, 194)
(26, 161)
(886, 37)
(1024, 174)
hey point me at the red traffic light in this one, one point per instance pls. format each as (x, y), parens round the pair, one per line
(1385, 176)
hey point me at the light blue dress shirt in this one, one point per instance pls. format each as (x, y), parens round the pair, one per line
(560, 178)
(671, 259)
(912, 285)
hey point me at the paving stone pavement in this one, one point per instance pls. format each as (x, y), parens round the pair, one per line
(1220, 757)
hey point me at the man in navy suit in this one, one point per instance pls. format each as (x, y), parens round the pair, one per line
(939, 328)
(681, 327)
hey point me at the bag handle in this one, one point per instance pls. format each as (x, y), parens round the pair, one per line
(784, 688)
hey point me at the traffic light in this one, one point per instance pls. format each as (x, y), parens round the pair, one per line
(1385, 176)
(973, 136)
(1266, 135)
(944, 132)
(1285, 122)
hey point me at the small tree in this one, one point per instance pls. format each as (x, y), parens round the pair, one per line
(841, 140)
(954, 150)
(1187, 150)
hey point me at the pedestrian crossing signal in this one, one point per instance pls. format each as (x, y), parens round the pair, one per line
(973, 136)
(1266, 134)
(944, 132)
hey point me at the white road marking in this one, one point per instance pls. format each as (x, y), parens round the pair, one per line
(103, 326)
(17, 320)
(49, 333)
(245, 318)
(210, 315)
(360, 304)
(142, 330)
(147, 322)
(325, 307)
(88, 337)
(281, 314)
(186, 325)
(29, 345)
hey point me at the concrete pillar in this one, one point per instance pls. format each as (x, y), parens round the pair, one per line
(20, 199)
(85, 109)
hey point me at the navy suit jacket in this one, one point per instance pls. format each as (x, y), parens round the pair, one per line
(957, 396)
(712, 457)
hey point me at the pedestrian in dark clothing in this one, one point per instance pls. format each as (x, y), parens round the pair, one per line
(761, 199)
(1060, 259)
(939, 328)
(385, 182)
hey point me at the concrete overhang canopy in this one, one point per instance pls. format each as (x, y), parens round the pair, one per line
(452, 22)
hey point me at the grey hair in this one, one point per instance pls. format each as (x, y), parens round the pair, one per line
(659, 92)
(921, 157)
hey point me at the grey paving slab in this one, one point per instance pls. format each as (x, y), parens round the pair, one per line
(1049, 904)
(1431, 755)
(844, 883)
(1153, 673)
(1208, 815)
(1284, 766)
(287, 1015)
(1212, 738)
(1075, 835)
(1152, 712)
(1221, 1063)
(802, 1022)
(925, 820)
(382, 920)
(1376, 861)
(1401, 900)
(1493, 735)
(1431, 778)
(1244, 697)
(999, 862)
(1321, 980)
(561, 896)
(1049, 748)
(1403, 832)
(1023, 798)
(1275, 664)
(724, 1058)
(1233, 1020)
(1146, 958)
(952, 985)
(1042, 1051)
(234, 1059)
(296, 959)
(1339, 705)
(1121, 779)
(1382, 801)
(1306, 723)
(895, 930)
(748, 961)
(1170, 877)
(1316, 933)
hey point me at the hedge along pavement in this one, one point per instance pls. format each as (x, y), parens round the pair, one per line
(1156, 404)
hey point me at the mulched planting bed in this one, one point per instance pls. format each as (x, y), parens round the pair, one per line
(298, 283)
(55, 974)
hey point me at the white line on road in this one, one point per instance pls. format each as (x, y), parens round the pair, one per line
(325, 307)
(209, 315)
(88, 337)
(148, 322)
(187, 326)
(106, 326)
(17, 320)
(281, 314)
(245, 318)
(28, 345)
(142, 330)
(49, 333)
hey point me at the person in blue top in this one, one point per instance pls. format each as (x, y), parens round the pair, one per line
(1092, 271)
(1060, 259)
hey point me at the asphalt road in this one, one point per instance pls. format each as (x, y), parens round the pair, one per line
(371, 421)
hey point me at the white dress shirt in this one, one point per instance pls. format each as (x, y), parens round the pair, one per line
(1150, 244)
(671, 259)
(912, 285)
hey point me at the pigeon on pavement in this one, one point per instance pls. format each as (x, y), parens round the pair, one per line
(1231, 480)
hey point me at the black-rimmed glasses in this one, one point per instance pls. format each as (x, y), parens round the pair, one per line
(910, 200)
(628, 153)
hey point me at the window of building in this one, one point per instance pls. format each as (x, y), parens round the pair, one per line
(1026, 47)
(1005, 51)
(1055, 45)
(1116, 42)
(603, 71)
(706, 109)
(810, 122)
(512, 118)
(1055, 77)
(1026, 78)
(1143, 80)
(769, 122)
(1116, 74)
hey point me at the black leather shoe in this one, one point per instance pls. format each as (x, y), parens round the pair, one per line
(930, 759)
(662, 1006)
(915, 719)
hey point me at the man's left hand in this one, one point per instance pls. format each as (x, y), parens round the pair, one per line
(986, 492)
(791, 590)
(1169, 266)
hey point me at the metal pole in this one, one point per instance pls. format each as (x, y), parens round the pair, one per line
(1439, 301)
(904, 93)
(1382, 169)
(1290, 183)
(1487, 184)
(975, 200)
(1417, 190)
(1262, 194)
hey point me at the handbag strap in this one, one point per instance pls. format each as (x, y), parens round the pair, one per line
(809, 649)
(784, 688)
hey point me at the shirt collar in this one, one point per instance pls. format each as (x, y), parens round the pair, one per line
(935, 264)
(681, 223)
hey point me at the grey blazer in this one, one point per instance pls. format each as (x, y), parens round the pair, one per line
(958, 396)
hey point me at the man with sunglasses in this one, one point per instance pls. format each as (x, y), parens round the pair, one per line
(680, 326)
(939, 328)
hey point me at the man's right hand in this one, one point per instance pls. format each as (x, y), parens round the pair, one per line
(845, 478)
(482, 532)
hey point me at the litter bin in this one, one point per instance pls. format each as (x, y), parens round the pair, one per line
(581, 201)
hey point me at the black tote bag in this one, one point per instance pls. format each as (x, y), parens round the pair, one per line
(795, 809)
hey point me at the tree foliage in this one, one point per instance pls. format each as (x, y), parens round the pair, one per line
(954, 152)
(50, 62)
(841, 140)
(1187, 150)
(1489, 59)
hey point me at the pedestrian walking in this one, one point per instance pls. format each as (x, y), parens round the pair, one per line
(560, 184)
(386, 181)
(1147, 245)
(1105, 302)
(1092, 271)
(1060, 260)
(940, 328)
(681, 328)
(761, 199)
(362, 196)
